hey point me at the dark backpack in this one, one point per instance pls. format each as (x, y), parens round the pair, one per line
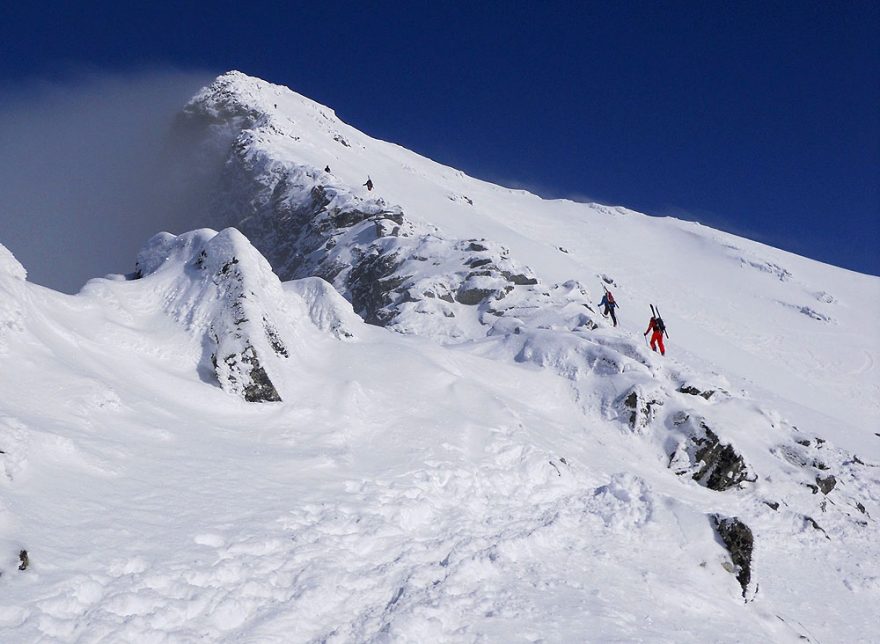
(658, 324)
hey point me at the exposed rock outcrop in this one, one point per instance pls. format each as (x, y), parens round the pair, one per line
(703, 456)
(640, 407)
(738, 539)
(826, 484)
(222, 287)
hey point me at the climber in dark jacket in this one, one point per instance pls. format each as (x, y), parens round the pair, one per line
(369, 183)
(609, 304)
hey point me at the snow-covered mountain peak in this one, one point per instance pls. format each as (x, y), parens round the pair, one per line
(247, 102)
(508, 464)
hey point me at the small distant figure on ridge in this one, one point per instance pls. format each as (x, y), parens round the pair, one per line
(609, 304)
(327, 169)
(659, 328)
(369, 183)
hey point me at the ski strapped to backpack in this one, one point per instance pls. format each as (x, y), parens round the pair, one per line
(658, 321)
(609, 295)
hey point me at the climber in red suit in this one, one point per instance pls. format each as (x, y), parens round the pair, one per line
(656, 325)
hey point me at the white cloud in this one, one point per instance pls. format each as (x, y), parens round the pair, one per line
(85, 176)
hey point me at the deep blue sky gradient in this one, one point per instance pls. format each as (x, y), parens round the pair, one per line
(761, 118)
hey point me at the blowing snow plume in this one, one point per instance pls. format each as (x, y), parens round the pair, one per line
(88, 171)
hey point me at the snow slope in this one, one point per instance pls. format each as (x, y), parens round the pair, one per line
(789, 327)
(505, 467)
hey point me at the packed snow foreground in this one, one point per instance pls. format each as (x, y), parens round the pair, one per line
(400, 416)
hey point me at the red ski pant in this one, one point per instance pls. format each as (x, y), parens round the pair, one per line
(657, 338)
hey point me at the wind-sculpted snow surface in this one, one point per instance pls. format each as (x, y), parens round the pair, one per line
(529, 474)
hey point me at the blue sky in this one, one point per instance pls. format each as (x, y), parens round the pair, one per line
(761, 118)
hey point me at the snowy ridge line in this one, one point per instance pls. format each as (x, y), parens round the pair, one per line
(410, 278)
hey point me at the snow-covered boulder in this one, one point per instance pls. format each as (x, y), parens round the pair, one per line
(328, 310)
(222, 287)
(701, 455)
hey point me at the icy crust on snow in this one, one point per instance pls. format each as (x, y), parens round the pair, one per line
(222, 287)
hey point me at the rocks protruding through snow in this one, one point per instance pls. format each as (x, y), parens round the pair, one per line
(809, 311)
(782, 274)
(813, 524)
(640, 407)
(693, 391)
(826, 484)
(738, 539)
(405, 275)
(242, 373)
(370, 251)
(274, 339)
(702, 455)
